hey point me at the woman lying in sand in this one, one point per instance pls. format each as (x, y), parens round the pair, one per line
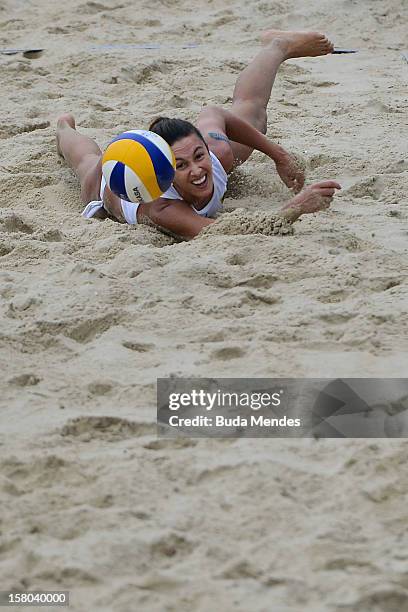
(207, 152)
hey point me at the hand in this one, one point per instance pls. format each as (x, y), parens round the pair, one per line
(312, 199)
(317, 196)
(290, 172)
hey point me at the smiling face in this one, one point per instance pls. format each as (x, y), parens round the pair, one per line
(193, 179)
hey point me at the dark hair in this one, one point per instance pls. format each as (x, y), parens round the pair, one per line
(172, 130)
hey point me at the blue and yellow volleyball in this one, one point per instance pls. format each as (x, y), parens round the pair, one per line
(138, 165)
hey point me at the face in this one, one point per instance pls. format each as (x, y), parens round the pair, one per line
(193, 179)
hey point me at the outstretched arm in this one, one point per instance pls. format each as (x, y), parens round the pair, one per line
(177, 217)
(173, 216)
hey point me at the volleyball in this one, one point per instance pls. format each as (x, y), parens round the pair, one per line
(138, 165)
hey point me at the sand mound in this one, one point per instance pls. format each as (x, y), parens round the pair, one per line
(241, 221)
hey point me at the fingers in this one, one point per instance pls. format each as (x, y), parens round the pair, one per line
(300, 180)
(296, 187)
(291, 175)
(297, 181)
(290, 182)
(324, 184)
(327, 192)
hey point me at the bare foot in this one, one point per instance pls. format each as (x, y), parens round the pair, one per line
(298, 44)
(312, 199)
(64, 121)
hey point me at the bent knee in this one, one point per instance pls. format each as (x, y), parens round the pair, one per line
(260, 120)
(262, 123)
(209, 113)
(251, 111)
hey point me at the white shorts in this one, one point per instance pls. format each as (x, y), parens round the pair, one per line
(129, 209)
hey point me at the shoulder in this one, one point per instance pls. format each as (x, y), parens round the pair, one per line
(211, 123)
(223, 152)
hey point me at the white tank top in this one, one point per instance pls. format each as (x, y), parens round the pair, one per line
(220, 186)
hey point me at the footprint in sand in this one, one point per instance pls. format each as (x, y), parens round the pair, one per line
(107, 428)
(235, 65)
(22, 304)
(25, 380)
(14, 223)
(58, 30)
(227, 353)
(137, 347)
(180, 443)
(142, 74)
(388, 598)
(336, 318)
(150, 23)
(87, 330)
(9, 130)
(99, 388)
(259, 281)
(241, 569)
(238, 259)
(397, 167)
(226, 18)
(170, 546)
(51, 235)
(92, 8)
(104, 108)
(332, 297)
(71, 577)
(280, 7)
(176, 101)
(5, 248)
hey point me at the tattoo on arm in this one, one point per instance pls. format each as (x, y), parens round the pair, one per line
(218, 136)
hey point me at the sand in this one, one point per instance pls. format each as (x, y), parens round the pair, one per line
(93, 312)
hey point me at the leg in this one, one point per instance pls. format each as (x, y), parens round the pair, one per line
(82, 155)
(254, 86)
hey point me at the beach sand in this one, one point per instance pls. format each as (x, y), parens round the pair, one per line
(93, 312)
